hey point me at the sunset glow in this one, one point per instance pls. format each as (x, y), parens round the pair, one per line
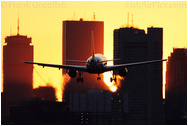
(113, 89)
(65, 79)
(113, 86)
(42, 21)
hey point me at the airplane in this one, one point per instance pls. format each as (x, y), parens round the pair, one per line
(95, 64)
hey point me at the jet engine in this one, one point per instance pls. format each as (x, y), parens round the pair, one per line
(123, 72)
(72, 73)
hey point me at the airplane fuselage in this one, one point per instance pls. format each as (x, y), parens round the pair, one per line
(95, 64)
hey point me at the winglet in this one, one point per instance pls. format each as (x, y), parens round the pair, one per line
(92, 45)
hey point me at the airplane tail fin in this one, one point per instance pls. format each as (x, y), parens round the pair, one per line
(92, 45)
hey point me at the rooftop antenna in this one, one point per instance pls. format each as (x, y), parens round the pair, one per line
(128, 20)
(132, 20)
(94, 16)
(18, 25)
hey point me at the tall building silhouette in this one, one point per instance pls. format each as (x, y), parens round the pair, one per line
(176, 87)
(17, 76)
(143, 83)
(77, 46)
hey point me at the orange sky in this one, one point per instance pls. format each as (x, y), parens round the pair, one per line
(43, 22)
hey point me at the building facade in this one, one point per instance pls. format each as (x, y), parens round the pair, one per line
(176, 87)
(143, 83)
(77, 46)
(17, 76)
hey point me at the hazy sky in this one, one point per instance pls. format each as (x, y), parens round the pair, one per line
(43, 22)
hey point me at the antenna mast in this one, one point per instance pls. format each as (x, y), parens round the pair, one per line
(18, 25)
(132, 20)
(128, 20)
(94, 16)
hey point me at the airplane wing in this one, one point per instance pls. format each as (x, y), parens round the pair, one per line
(115, 67)
(79, 68)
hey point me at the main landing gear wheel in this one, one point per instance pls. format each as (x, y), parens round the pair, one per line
(80, 79)
(98, 78)
(113, 79)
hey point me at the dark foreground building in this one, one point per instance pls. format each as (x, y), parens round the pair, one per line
(143, 83)
(77, 46)
(17, 76)
(176, 88)
(40, 112)
(45, 93)
(97, 107)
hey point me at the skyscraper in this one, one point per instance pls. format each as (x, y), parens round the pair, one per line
(176, 87)
(77, 46)
(142, 84)
(17, 76)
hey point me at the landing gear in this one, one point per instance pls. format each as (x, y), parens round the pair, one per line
(98, 78)
(80, 78)
(113, 79)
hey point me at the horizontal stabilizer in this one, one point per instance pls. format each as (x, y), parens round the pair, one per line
(80, 61)
(109, 60)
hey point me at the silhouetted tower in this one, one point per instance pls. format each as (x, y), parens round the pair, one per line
(143, 83)
(17, 76)
(77, 46)
(155, 113)
(176, 87)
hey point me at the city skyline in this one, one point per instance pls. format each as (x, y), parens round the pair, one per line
(53, 31)
(46, 30)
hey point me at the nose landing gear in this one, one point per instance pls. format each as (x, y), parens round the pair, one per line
(98, 78)
(80, 78)
(113, 78)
